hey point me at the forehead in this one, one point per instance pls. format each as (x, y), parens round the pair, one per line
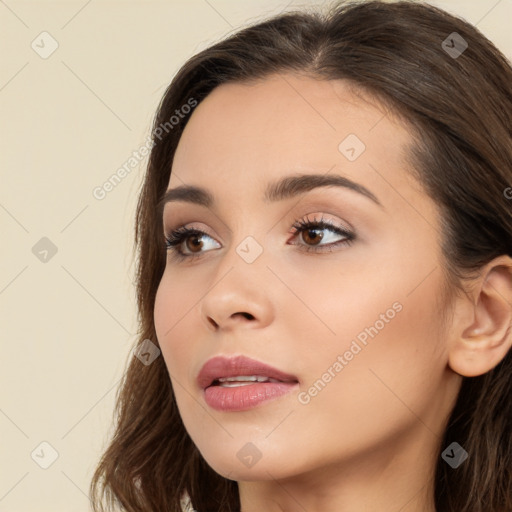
(243, 136)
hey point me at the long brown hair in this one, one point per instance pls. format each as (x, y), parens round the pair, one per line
(457, 101)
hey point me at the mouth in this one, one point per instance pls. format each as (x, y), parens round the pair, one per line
(239, 383)
(243, 380)
(240, 371)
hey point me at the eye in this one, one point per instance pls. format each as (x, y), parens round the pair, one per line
(181, 236)
(311, 232)
(186, 243)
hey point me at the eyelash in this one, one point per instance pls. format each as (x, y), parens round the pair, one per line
(176, 237)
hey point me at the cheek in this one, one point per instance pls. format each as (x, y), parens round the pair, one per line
(386, 335)
(392, 363)
(176, 340)
(339, 312)
(162, 314)
(170, 317)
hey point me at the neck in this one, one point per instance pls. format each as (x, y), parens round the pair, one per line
(384, 480)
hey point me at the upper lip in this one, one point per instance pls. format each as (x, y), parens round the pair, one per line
(221, 366)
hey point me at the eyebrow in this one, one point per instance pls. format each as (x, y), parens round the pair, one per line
(284, 188)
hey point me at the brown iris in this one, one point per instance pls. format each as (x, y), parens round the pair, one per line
(317, 239)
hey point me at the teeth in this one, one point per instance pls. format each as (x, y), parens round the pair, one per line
(234, 384)
(243, 380)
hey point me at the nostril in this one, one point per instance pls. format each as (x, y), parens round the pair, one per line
(243, 313)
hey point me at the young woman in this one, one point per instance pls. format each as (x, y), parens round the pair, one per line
(324, 235)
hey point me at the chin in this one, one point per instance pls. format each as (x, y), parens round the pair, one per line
(240, 466)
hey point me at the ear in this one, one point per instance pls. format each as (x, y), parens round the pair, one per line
(481, 331)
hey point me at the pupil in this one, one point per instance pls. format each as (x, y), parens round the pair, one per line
(195, 240)
(319, 237)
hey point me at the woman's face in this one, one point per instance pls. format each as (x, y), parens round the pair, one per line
(355, 323)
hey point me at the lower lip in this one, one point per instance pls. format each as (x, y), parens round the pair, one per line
(242, 398)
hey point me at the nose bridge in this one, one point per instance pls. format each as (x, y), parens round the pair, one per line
(248, 237)
(243, 266)
(238, 285)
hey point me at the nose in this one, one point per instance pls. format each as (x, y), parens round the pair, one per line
(217, 323)
(238, 298)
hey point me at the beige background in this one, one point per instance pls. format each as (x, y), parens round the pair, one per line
(68, 122)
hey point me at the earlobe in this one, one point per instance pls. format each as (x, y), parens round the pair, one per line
(482, 335)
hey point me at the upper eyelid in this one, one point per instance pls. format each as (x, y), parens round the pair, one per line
(315, 209)
(310, 201)
(190, 226)
(165, 215)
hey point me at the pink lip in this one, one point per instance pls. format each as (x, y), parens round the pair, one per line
(242, 397)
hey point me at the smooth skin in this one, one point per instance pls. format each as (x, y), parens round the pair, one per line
(370, 439)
